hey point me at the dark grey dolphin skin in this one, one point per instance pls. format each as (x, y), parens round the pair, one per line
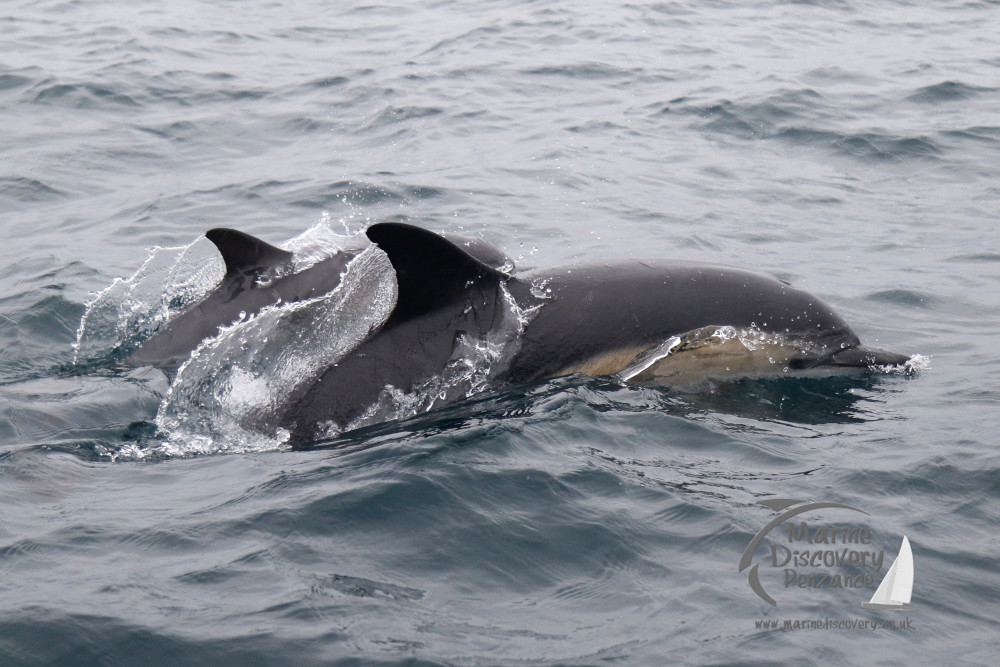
(444, 292)
(258, 275)
(629, 307)
(593, 319)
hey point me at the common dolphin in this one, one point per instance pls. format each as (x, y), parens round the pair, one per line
(664, 322)
(257, 275)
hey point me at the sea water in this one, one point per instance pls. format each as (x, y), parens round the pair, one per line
(851, 148)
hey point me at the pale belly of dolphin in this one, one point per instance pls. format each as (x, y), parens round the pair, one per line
(708, 354)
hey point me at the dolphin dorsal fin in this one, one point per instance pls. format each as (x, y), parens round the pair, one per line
(244, 254)
(431, 271)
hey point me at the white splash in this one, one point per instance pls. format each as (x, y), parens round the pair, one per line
(913, 365)
(321, 242)
(130, 310)
(229, 395)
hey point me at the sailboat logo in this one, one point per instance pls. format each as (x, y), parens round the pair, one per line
(896, 588)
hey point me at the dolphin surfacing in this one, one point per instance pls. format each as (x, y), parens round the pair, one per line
(657, 321)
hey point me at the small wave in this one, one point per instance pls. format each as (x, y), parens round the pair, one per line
(978, 134)
(976, 257)
(600, 127)
(476, 36)
(34, 334)
(727, 118)
(791, 115)
(594, 70)
(872, 147)
(349, 193)
(947, 91)
(303, 125)
(887, 148)
(825, 75)
(62, 410)
(28, 190)
(804, 136)
(758, 119)
(240, 94)
(13, 81)
(327, 82)
(83, 96)
(905, 297)
(396, 115)
(178, 131)
(423, 191)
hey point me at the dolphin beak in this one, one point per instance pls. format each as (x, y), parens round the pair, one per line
(861, 356)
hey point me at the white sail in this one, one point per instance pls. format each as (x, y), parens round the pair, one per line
(896, 588)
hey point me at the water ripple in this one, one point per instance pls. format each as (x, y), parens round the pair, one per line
(948, 91)
(83, 96)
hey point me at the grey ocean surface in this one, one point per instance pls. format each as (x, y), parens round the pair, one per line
(851, 148)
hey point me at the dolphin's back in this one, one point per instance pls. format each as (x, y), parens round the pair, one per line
(258, 275)
(448, 288)
(606, 310)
